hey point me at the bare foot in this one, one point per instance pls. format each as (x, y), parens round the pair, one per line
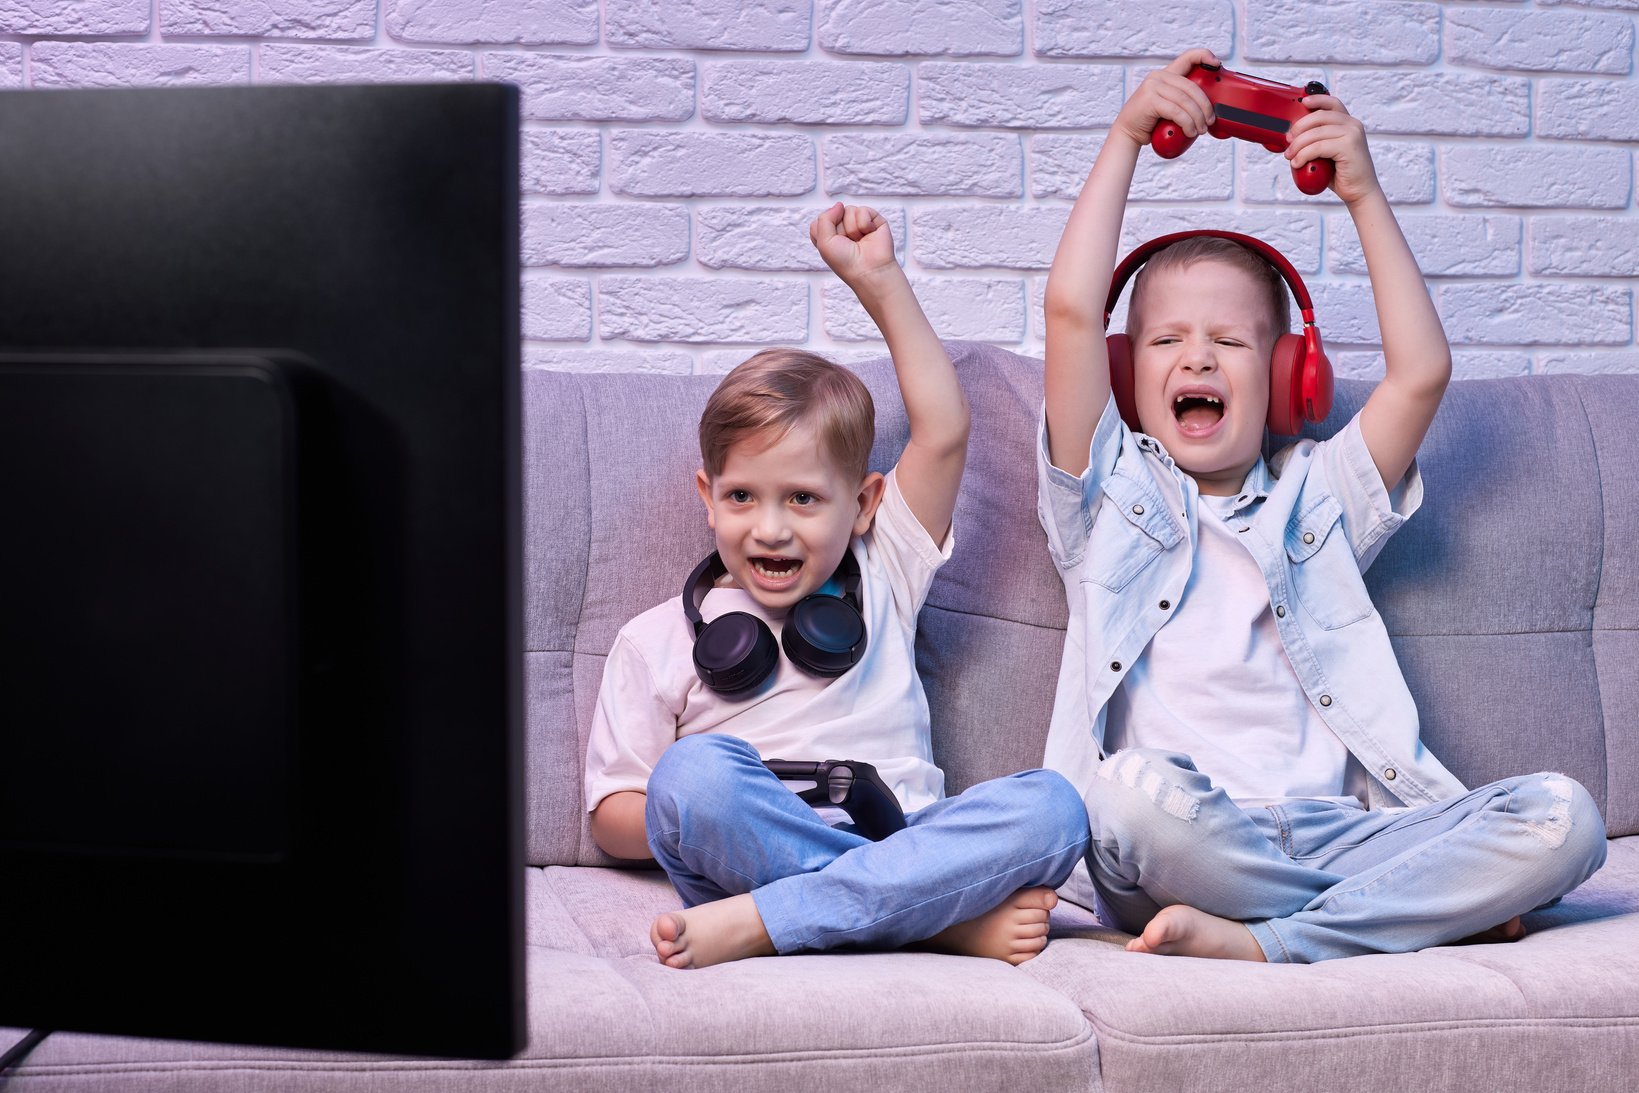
(1183, 931)
(1014, 930)
(1512, 930)
(712, 933)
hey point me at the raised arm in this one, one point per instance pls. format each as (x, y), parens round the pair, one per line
(856, 244)
(1416, 358)
(1077, 378)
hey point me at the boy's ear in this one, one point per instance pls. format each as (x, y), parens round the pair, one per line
(871, 488)
(702, 482)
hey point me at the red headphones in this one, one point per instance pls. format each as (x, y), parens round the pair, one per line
(1300, 376)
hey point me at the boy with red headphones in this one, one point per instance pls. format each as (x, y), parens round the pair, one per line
(1229, 702)
(837, 559)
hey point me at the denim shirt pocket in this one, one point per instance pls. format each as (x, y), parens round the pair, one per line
(1324, 570)
(1130, 530)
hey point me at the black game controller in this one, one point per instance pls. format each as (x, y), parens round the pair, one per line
(850, 785)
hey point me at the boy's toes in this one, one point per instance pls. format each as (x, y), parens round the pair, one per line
(666, 934)
(1041, 898)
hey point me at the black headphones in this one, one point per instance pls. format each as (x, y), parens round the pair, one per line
(823, 635)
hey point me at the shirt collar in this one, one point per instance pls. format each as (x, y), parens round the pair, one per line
(1254, 489)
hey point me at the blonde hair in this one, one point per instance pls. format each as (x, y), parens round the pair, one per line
(1211, 248)
(778, 389)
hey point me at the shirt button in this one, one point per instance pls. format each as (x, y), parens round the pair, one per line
(1280, 611)
(1115, 666)
(1390, 775)
(1166, 605)
(1325, 700)
(1308, 537)
(1138, 510)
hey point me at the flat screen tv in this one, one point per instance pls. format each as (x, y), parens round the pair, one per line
(260, 696)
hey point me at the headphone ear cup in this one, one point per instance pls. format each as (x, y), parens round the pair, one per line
(1317, 383)
(1119, 347)
(1286, 366)
(824, 635)
(735, 652)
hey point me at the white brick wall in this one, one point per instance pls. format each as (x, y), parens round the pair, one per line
(675, 150)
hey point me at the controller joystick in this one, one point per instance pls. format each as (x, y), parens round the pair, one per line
(1252, 109)
(850, 785)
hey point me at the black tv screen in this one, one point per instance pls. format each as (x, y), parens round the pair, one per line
(260, 668)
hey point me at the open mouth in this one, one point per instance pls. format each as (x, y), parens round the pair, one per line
(1197, 412)
(776, 569)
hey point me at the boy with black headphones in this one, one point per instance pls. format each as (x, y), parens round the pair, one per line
(1229, 702)
(838, 560)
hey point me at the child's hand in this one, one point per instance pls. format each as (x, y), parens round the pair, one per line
(1331, 132)
(855, 242)
(1166, 94)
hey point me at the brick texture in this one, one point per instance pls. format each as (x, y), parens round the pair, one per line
(576, 234)
(1445, 246)
(760, 237)
(493, 22)
(650, 163)
(1584, 246)
(1565, 314)
(981, 309)
(332, 20)
(564, 88)
(762, 25)
(672, 154)
(11, 64)
(1059, 165)
(906, 27)
(703, 309)
(1543, 176)
(1043, 97)
(1075, 28)
(557, 308)
(1588, 110)
(47, 17)
(1352, 32)
(1540, 41)
(560, 161)
(1439, 103)
(331, 64)
(806, 92)
(102, 64)
(980, 165)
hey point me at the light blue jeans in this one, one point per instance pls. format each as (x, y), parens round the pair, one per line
(1314, 880)
(720, 824)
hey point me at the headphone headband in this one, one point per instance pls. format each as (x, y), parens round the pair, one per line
(705, 576)
(1130, 265)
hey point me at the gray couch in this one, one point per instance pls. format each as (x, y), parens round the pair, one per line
(1513, 598)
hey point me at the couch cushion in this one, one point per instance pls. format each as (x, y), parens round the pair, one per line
(604, 1014)
(1558, 1010)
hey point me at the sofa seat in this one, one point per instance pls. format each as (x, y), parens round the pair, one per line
(605, 1015)
(1557, 1010)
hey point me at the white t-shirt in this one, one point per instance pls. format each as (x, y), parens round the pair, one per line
(876, 712)
(1215, 684)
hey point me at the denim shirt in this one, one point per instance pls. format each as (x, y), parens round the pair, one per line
(1123, 538)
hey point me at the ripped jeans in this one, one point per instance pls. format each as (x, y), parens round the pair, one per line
(1315, 880)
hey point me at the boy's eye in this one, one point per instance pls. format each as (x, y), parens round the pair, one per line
(739, 497)
(801, 498)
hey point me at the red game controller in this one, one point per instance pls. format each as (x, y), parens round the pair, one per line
(1253, 109)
